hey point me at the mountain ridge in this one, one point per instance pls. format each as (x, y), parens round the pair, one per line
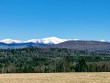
(54, 42)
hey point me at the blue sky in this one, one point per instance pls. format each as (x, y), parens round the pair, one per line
(81, 19)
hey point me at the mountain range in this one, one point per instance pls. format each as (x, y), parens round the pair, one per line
(50, 40)
(10, 43)
(55, 42)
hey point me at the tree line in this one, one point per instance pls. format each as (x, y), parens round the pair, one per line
(51, 60)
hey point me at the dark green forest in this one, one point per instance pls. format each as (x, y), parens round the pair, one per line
(51, 60)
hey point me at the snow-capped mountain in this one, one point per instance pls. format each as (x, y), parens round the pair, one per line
(50, 40)
(9, 41)
(54, 42)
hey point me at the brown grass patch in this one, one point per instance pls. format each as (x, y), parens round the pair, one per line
(100, 77)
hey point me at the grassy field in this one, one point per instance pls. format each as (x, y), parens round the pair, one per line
(56, 78)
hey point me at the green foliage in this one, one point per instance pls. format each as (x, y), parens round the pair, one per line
(47, 60)
(81, 66)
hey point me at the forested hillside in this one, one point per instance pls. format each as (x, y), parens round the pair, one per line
(40, 60)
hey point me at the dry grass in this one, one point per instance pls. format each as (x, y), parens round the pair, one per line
(56, 78)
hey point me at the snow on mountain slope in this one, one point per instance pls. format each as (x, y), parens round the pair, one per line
(50, 40)
(9, 41)
(103, 41)
(53, 40)
(32, 40)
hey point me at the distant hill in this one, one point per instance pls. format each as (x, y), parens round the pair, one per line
(80, 44)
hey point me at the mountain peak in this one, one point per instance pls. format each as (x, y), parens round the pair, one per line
(8, 41)
(49, 40)
(53, 40)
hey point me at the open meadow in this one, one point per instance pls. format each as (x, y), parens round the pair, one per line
(100, 77)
